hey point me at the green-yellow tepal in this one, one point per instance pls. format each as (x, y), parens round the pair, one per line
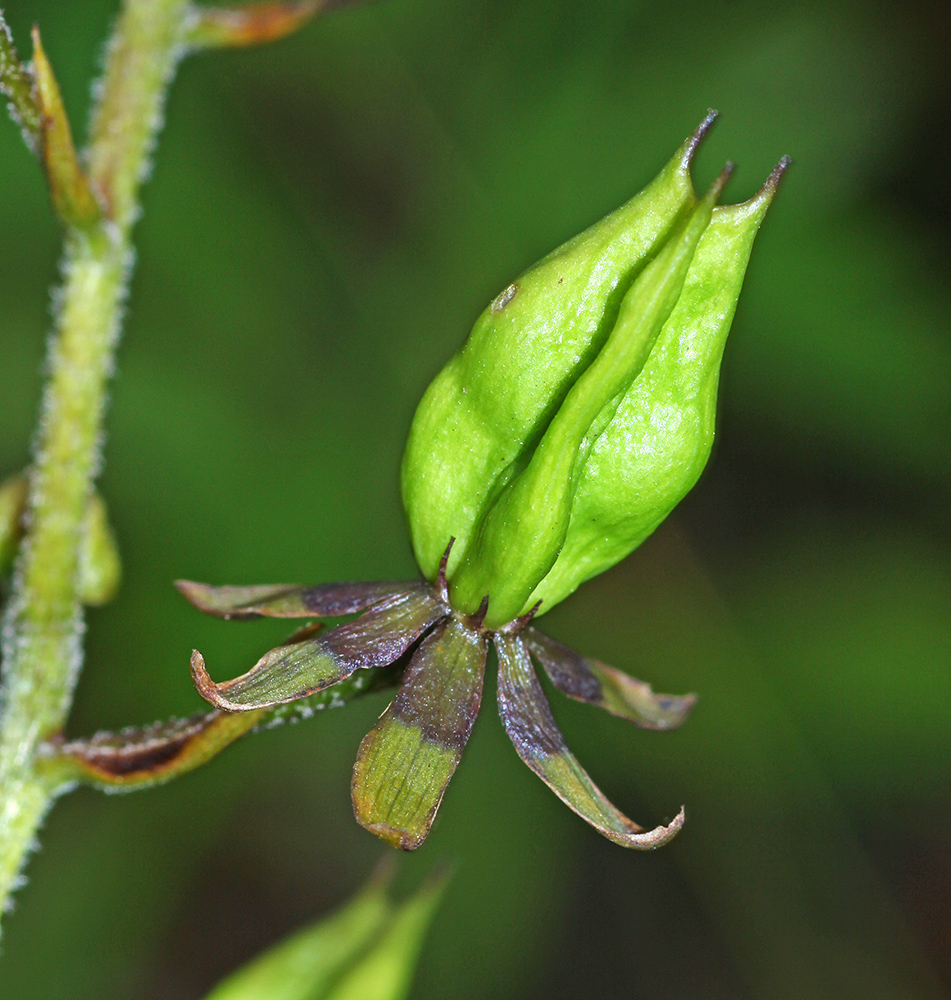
(577, 414)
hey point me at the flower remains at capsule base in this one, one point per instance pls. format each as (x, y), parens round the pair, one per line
(579, 412)
(404, 764)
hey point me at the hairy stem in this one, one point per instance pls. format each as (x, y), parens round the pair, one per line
(43, 621)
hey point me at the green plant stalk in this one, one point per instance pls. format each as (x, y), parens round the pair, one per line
(43, 625)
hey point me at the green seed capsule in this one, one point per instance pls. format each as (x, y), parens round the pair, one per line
(496, 396)
(580, 410)
(653, 451)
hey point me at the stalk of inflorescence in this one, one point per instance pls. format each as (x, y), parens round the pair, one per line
(97, 200)
(42, 631)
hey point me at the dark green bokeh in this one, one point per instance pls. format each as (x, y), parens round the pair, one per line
(326, 218)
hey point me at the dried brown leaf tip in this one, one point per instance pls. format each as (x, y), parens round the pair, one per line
(232, 26)
(148, 755)
(405, 763)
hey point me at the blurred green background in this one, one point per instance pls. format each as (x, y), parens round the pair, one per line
(326, 218)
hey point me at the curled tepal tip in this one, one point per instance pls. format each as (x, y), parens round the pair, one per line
(663, 834)
(211, 691)
(202, 680)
